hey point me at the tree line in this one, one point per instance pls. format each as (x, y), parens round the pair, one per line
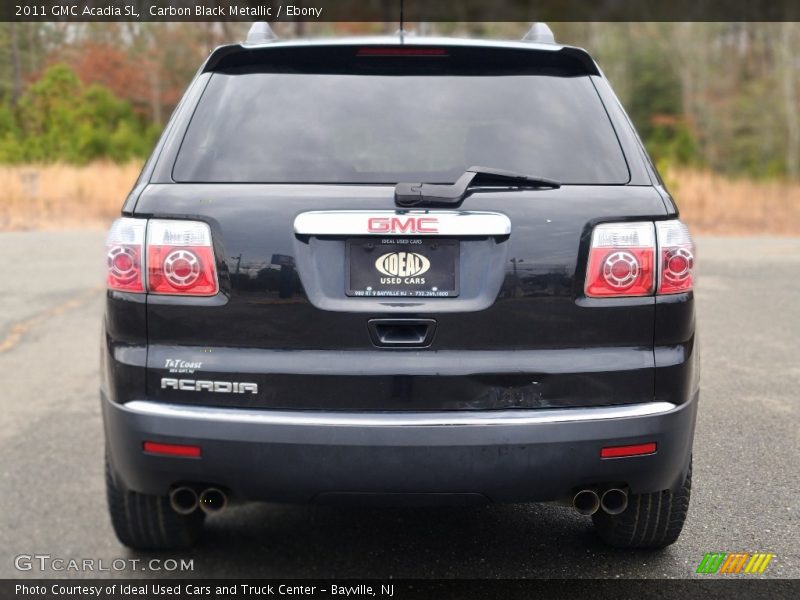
(722, 96)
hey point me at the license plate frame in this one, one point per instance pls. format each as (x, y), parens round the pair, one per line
(406, 274)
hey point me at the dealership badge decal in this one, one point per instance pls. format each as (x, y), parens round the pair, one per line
(176, 365)
(402, 264)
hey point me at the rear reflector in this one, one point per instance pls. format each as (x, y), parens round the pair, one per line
(635, 450)
(172, 449)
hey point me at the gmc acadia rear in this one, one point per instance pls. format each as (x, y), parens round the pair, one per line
(399, 270)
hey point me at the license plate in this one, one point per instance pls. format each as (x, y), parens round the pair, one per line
(402, 267)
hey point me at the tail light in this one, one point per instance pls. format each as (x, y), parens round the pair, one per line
(177, 257)
(675, 257)
(621, 260)
(124, 255)
(180, 259)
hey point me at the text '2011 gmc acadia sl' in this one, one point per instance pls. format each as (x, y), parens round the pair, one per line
(395, 270)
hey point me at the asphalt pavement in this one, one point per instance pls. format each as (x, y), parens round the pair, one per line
(746, 483)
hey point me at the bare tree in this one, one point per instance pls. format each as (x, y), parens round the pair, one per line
(16, 86)
(788, 75)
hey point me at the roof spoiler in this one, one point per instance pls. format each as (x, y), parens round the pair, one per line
(318, 55)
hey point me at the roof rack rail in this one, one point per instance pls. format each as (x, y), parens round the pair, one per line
(260, 33)
(540, 33)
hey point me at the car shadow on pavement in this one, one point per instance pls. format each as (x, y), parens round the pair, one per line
(496, 541)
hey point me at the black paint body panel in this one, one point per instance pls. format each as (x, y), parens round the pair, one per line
(538, 306)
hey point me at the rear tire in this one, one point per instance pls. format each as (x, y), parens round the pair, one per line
(650, 520)
(146, 522)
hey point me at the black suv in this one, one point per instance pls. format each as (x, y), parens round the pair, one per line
(399, 271)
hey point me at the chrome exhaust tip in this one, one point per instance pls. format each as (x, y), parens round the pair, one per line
(183, 500)
(213, 500)
(614, 501)
(586, 502)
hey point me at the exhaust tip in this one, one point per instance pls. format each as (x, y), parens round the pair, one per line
(213, 500)
(183, 500)
(614, 501)
(586, 502)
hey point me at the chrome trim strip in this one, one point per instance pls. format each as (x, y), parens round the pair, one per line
(435, 419)
(437, 222)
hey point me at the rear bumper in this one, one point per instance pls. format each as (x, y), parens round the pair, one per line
(305, 456)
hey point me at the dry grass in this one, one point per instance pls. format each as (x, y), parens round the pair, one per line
(63, 196)
(712, 204)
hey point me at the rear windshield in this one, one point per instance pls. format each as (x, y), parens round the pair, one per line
(370, 128)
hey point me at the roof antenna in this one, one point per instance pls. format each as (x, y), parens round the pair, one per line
(401, 31)
(260, 33)
(540, 33)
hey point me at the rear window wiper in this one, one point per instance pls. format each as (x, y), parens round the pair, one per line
(437, 194)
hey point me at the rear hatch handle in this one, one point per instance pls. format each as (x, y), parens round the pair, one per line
(436, 194)
(401, 333)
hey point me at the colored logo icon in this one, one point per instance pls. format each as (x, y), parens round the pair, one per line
(734, 562)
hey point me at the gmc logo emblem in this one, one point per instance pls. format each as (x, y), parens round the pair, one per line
(403, 225)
